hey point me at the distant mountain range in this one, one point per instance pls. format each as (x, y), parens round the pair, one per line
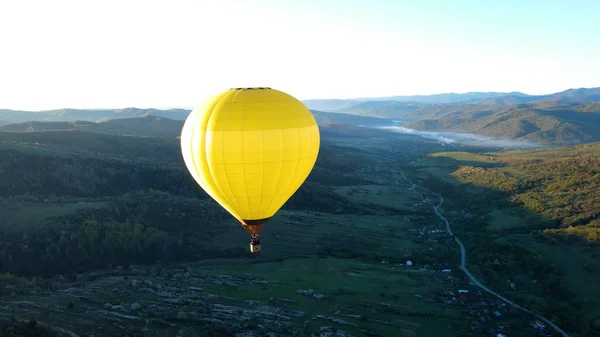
(336, 104)
(564, 118)
(582, 95)
(149, 125)
(138, 122)
(89, 115)
(547, 124)
(568, 117)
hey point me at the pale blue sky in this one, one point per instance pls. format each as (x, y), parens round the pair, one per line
(114, 54)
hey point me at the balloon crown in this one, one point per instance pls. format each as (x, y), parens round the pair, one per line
(257, 88)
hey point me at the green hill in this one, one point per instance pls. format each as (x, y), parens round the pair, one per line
(154, 125)
(574, 96)
(568, 117)
(554, 125)
(530, 217)
(560, 183)
(327, 118)
(149, 125)
(47, 126)
(89, 115)
(90, 158)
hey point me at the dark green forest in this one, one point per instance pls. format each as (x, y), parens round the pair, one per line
(153, 209)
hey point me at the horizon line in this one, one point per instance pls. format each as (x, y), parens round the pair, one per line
(364, 98)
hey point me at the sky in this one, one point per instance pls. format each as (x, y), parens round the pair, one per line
(163, 54)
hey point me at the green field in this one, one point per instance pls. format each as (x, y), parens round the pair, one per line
(505, 219)
(467, 156)
(393, 196)
(363, 289)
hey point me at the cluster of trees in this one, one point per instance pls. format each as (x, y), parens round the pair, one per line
(140, 228)
(564, 190)
(157, 211)
(501, 262)
(34, 174)
(124, 164)
(591, 231)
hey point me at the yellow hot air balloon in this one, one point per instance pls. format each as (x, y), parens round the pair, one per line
(250, 149)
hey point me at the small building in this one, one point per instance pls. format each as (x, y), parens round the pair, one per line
(409, 263)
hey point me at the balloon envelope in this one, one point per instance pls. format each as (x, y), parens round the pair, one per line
(250, 149)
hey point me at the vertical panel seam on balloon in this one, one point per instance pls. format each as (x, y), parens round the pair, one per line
(225, 173)
(206, 150)
(262, 162)
(191, 140)
(296, 167)
(223, 154)
(244, 162)
(225, 170)
(280, 167)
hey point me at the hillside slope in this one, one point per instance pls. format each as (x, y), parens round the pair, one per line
(562, 183)
(552, 126)
(90, 115)
(149, 125)
(157, 126)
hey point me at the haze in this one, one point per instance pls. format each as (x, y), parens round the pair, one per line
(465, 138)
(114, 54)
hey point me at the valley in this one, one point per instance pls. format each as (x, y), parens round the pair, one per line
(130, 246)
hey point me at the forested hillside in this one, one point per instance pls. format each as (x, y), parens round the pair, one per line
(562, 184)
(135, 200)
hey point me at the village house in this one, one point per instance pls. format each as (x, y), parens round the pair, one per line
(538, 325)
